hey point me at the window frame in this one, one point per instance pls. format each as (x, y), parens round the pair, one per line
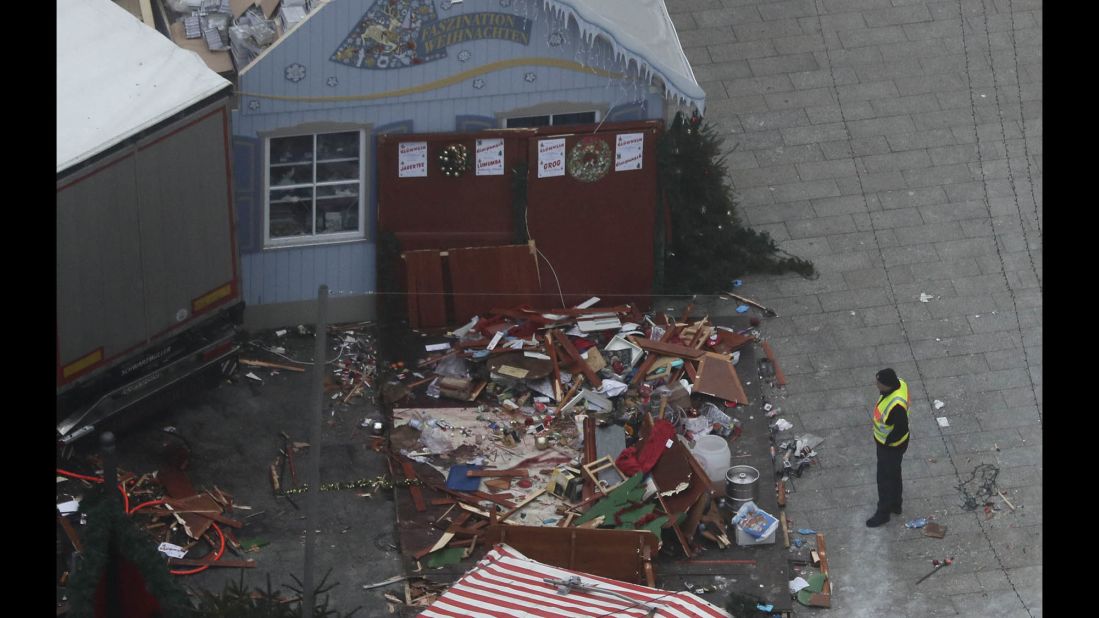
(313, 238)
(550, 116)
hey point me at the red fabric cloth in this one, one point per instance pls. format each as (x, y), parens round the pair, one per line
(630, 462)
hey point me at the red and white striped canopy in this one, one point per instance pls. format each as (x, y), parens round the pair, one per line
(508, 584)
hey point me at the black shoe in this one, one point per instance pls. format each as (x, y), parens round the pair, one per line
(877, 520)
(895, 510)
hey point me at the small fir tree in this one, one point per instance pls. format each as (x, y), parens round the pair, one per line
(708, 246)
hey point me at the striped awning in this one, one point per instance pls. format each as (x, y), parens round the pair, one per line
(505, 583)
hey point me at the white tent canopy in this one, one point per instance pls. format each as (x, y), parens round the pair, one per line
(641, 31)
(117, 77)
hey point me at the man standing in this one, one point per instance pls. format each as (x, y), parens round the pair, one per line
(890, 419)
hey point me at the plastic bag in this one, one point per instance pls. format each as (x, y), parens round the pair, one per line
(435, 440)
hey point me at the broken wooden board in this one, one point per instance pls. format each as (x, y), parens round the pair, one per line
(667, 349)
(535, 368)
(615, 554)
(717, 377)
(426, 288)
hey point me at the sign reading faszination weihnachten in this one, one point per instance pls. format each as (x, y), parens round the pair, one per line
(490, 157)
(551, 158)
(412, 159)
(628, 152)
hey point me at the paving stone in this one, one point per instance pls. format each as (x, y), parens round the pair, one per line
(767, 29)
(780, 119)
(817, 170)
(762, 176)
(850, 58)
(872, 36)
(786, 10)
(890, 71)
(799, 44)
(759, 85)
(783, 64)
(801, 99)
(804, 80)
(834, 21)
(856, 110)
(757, 140)
(938, 175)
(742, 50)
(936, 29)
(727, 16)
(881, 126)
(914, 104)
(722, 71)
(789, 192)
(708, 35)
(921, 140)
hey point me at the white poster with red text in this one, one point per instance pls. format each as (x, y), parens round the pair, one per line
(412, 159)
(551, 158)
(490, 157)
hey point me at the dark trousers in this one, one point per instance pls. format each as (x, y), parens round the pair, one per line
(889, 476)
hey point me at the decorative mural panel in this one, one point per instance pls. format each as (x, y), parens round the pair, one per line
(394, 34)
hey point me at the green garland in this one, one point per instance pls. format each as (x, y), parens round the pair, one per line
(107, 522)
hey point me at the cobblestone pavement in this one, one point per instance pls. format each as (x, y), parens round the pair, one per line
(898, 145)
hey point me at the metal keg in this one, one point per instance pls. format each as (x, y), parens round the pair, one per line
(740, 483)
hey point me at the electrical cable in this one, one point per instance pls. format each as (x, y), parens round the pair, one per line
(126, 501)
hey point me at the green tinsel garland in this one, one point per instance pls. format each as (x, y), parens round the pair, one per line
(106, 520)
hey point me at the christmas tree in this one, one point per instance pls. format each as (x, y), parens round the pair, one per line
(708, 246)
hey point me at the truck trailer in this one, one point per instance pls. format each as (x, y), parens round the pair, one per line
(148, 283)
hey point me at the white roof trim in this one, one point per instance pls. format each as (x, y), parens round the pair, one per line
(117, 77)
(641, 31)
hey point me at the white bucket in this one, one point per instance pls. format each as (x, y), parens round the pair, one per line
(713, 454)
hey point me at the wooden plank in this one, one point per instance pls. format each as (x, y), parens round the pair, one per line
(779, 376)
(781, 492)
(417, 495)
(785, 530)
(650, 359)
(615, 554)
(70, 532)
(147, 13)
(667, 349)
(493, 473)
(718, 377)
(519, 506)
(426, 288)
(556, 367)
(581, 364)
(259, 363)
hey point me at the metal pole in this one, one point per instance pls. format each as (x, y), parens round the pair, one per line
(314, 475)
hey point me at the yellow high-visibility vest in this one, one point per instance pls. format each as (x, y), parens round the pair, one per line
(881, 430)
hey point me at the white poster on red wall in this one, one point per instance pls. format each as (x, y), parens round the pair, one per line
(551, 158)
(412, 159)
(490, 157)
(627, 155)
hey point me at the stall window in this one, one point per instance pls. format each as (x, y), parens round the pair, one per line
(314, 188)
(548, 120)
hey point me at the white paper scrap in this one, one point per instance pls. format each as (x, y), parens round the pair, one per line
(613, 388)
(939, 405)
(925, 297)
(943, 421)
(173, 551)
(495, 340)
(588, 303)
(437, 347)
(797, 584)
(71, 506)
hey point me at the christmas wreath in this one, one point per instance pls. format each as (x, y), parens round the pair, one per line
(454, 160)
(589, 160)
